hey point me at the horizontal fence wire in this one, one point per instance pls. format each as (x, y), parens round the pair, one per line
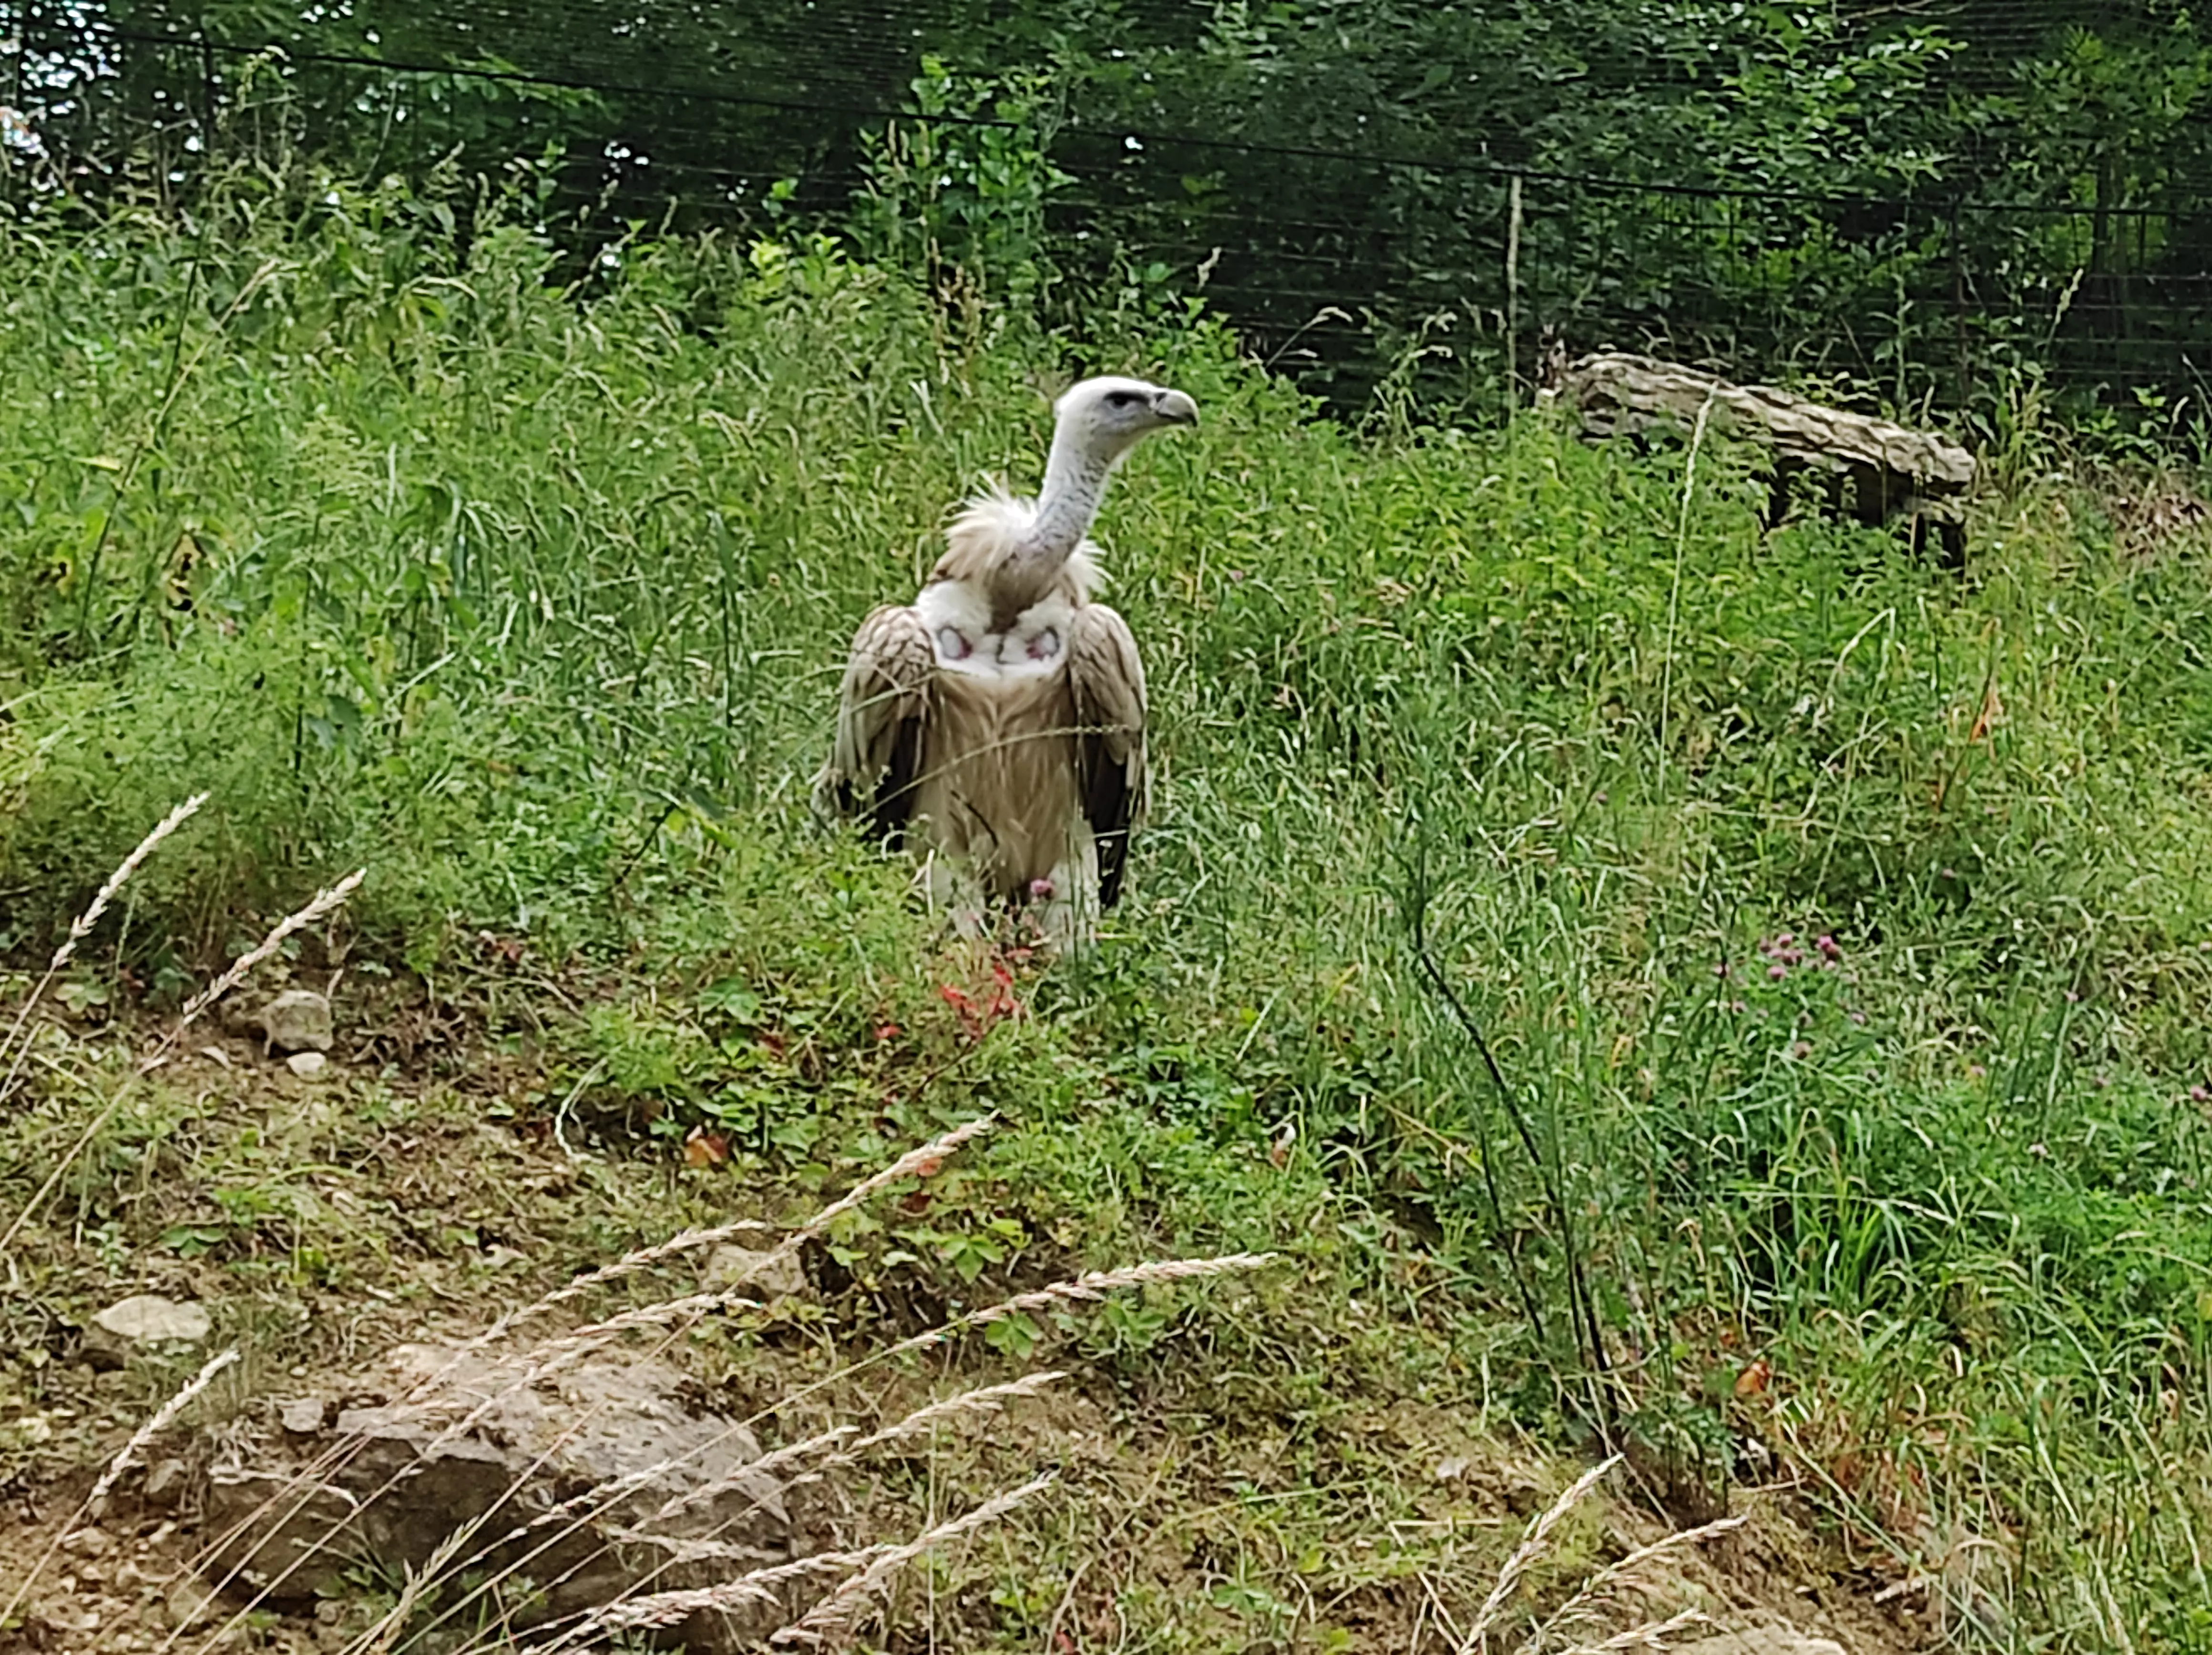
(1332, 264)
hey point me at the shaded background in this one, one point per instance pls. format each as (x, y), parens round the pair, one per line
(1941, 210)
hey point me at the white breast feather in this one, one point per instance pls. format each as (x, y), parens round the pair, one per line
(1037, 641)
(958, 606)
(957, 601)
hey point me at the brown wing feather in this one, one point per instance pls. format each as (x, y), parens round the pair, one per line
(1107, 682)
(882, 712)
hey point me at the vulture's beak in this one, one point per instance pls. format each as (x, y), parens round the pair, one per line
(1175, 408)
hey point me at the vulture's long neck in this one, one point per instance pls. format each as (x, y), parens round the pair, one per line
(1074, 484)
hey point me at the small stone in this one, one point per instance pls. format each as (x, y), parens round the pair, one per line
(190, 1598)
(164, 1482)
(308, 1065)
(729, 1267)
(298, 1019)
(60, 1617)
(144, 1323)
(303, 1416)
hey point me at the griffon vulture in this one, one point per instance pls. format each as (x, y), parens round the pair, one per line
(1000, 716)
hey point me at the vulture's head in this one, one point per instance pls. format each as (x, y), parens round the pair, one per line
(1106, 416)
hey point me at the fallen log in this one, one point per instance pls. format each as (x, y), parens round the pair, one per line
(1875, 471)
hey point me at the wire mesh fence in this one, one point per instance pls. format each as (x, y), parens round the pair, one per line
(1337, 264)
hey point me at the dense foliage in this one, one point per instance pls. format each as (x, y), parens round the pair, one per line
(1932, 201)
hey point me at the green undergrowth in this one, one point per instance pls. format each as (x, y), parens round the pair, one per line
(1841, 928)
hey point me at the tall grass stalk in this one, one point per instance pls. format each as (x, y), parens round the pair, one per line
(14, 1044)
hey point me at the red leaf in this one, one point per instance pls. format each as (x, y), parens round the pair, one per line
(705, 1148)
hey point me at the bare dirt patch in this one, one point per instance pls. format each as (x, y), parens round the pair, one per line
(324, 1222)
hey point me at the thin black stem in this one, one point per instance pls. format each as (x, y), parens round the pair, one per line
(1582, 1307)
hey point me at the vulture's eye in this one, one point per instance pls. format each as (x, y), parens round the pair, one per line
(1119, 398)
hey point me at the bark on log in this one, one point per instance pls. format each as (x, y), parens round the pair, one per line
(1874, 471)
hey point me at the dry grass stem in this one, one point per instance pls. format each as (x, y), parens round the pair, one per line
(989, 1399)
(689, 1309)
(96, 1501)
(665, 1609)
(607, 1493)
(778, 1465)
(81, 927)
(395, 1619)
(628, 1265)
(1086, 1289)
(164, 1416)
(1653, 1637)
(774, 1464)
(689, 1548)
(840, 1614)
(1586, 1598)
(915, 1162)
(1094, 1286)
(1534, 1544)
(325, 902)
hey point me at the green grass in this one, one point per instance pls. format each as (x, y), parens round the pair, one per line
(533, 602)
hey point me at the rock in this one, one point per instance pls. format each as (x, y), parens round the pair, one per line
(298, 1019)
(728, 1268)
(164, 1482)
(66, 1618)
(304, 1416)
(143, 1324)
(1762, 1641)
(308, 1065)
(191, 1598)
(475, 1440)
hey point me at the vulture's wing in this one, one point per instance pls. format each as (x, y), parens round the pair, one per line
(881, 713)
(1107, 682)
